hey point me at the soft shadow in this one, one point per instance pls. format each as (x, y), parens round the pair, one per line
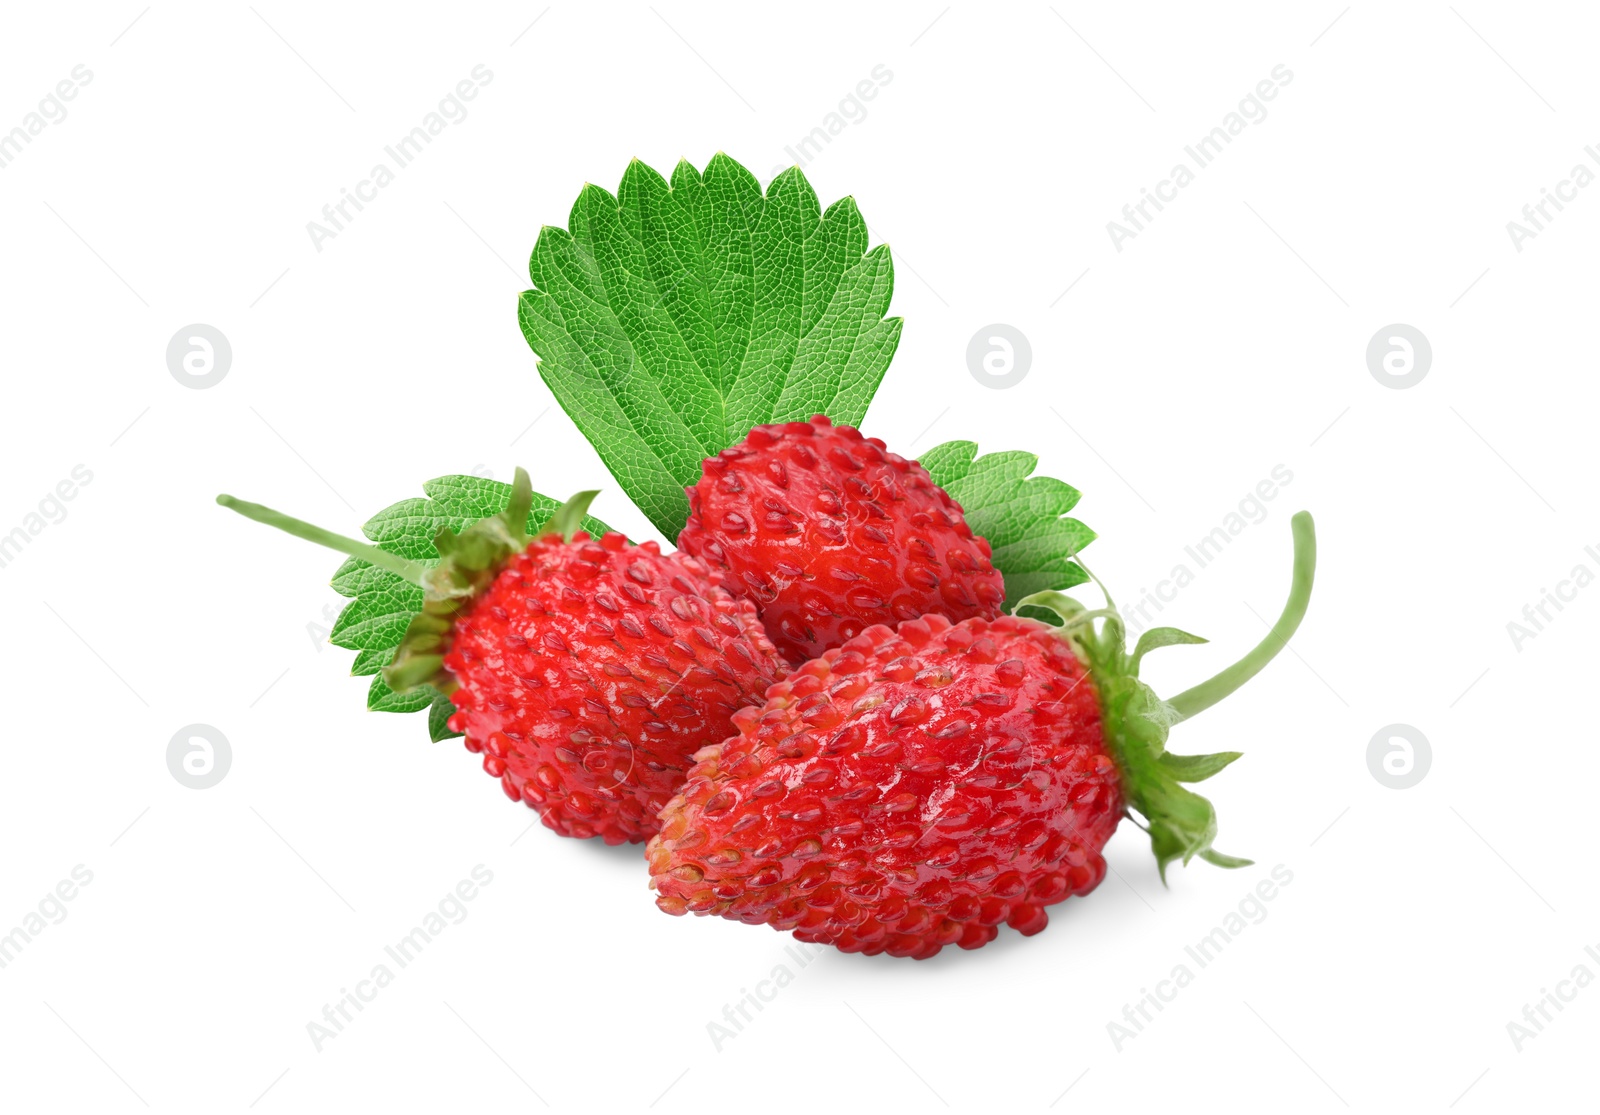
(1076, 928)
(540, 839)
(619, 853)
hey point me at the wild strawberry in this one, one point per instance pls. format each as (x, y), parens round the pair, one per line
(829, 533)
(918, 787)
(586, 672)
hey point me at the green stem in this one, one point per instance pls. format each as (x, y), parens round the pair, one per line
(410, 570)
(1212, 690)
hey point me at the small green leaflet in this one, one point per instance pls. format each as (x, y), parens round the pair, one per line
(671, 318)
(382, 604)
(1023, 516)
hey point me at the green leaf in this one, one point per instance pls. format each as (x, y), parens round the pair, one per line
(1023, 516)
(438, 713)
(380, 698)
(1196, 768)
(382, 604)
(1158, 637)
(376, 619)
(671, 318)
(369, 662)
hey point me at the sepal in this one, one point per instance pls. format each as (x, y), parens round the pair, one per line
(1158, 637)
(468, 563)
(1196, 768)
(1135, 723)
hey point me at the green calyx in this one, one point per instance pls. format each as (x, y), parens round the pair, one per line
(468, 563)
(1135, 721)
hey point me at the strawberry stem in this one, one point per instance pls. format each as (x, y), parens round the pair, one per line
(412, 571)
(1209, 692)
(468, 562)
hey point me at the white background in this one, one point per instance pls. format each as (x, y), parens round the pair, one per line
(1226, 338)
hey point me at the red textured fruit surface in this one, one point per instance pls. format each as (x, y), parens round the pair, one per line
(909, 790)
(591, 671)
(828, 533)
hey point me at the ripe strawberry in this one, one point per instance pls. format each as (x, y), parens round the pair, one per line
(590, 672)
(586, 672)
(916, 788)
(828, 533)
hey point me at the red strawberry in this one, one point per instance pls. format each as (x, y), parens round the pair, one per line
(590, 672)
(828, 533)
(916, 788)
(587, 672)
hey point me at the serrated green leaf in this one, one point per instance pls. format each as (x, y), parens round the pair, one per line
(1023, 516)
(380, 698)
(356, 577)
(382, 604)
(950, 462)
(670, 319)
(376, 619)
(369, 662)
